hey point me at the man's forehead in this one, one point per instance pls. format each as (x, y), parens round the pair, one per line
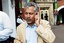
(31, 7)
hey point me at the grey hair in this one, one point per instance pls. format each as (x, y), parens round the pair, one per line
(29, 4)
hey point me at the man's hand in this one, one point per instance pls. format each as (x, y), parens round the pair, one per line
(37, 20)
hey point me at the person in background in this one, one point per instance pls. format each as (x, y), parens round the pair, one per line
(46, 16)
(42, 15)
(5, 27)
(19, 19)
(55, 16)
(34, 30)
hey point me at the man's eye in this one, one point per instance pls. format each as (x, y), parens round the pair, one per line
(26, 13)
(31, 13)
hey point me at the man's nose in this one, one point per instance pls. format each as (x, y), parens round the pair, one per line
(28, 15)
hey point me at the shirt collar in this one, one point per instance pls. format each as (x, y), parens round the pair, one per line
(30, 26)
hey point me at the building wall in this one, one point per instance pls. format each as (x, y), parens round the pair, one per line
(60, 3)
(5, 6)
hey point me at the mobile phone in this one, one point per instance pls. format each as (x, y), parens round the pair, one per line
(36, 13)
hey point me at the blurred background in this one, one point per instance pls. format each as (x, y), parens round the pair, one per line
(52, 10)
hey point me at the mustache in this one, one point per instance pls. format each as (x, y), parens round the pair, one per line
(28, 19)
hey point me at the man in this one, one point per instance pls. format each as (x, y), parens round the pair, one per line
(33, 30)
(5, 28)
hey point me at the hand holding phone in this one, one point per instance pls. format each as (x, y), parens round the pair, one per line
(37, 20)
